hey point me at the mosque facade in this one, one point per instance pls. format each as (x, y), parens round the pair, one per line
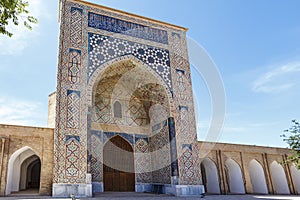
(122, 119)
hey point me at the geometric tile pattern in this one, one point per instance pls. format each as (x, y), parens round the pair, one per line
(76, 25)
(159, 138)
(104, 48)
(72, 153)
(127, 137)
(186, 163)
(162, 175)
(71, 117)
(73, 109)
(142, 161)
(74, 65)
(128, 28)
(135, 106)
(185, 119)
(180, 82)
(96, 158)
(141, 146)
(160, 154)
(84, 50)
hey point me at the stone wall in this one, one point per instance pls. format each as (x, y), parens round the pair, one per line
(39, 140)
(51, 110)
(242, 155)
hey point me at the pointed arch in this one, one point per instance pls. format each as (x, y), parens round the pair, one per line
(118, 165)
(257, 177)
(98, 75)
(279, 178)
(235, 178)
(14, 168)
(211, 176)
(296, 178)
(26, 172)
(117, 107)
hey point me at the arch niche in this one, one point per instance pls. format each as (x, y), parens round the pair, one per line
(235, 179)
(257, 177)
(210, 172)
(127, 97)
(24, 169)
(296, 178)
(279, 178)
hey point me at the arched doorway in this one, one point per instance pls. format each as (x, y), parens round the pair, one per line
(279, 178)
(235, 179)
(210, 176)
(30, 173)
(118, 166)
(24, 168)
(258, 179)
(296, 178)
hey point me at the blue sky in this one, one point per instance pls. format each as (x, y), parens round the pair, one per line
(254, 44)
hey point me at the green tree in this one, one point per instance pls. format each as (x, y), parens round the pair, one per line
(292, 138)
(14, 11)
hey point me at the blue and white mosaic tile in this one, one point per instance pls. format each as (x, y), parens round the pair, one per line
(104, 48)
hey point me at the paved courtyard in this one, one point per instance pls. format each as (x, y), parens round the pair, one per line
(145, 196)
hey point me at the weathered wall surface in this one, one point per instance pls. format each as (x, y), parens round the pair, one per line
(219, 153)
(39, 140)
(51, 110)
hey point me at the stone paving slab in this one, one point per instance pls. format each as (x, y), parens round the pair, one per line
(145, 196)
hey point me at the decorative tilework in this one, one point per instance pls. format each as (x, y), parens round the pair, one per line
(188, 161)
(96, 158)
(183, 121)
(139, 102)
(177, 44)
(154, 55)
(141, 146)
(189, 146)
(109, 135)
(173, 149)
(76, 25)
(160, 154)
(181, 84)
(105, 48)
(72, 153)
(74, 65)
(142, 161)
(159, 139)
(162, 175)
(73, 109)
(128, 28)
(67, 103)
(140, 136)
(186, 164)
(156, 127)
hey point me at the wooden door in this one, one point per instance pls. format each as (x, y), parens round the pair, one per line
(118, 167)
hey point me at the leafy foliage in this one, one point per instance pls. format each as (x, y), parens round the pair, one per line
(292, 138)
(14, 11)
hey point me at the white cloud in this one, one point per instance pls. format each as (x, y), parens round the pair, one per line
(278, 79)
(21, 35)
(19, 112)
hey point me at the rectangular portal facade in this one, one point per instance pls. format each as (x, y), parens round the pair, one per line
(124, 109)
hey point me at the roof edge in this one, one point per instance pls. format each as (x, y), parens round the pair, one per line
(129, 14)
